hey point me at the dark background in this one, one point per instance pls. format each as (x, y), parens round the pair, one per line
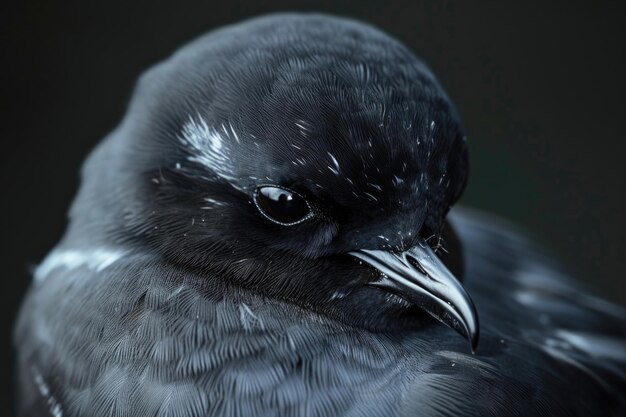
(540, 87)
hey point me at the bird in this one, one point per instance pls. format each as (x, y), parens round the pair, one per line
(272, 230)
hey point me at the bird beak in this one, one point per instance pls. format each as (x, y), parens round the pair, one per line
(420, 277)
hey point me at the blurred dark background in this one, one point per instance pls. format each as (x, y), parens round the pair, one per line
(540, 87)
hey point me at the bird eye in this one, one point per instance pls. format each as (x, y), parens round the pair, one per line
(281, 205)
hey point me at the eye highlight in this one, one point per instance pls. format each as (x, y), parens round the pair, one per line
(281, 205)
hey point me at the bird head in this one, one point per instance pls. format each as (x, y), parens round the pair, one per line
(306, 158)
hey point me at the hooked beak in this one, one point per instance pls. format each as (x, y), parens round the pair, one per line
(420, 277)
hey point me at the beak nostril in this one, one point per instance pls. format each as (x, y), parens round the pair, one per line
(415, 264)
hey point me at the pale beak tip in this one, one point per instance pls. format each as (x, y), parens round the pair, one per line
(471, 328)
(473, 339)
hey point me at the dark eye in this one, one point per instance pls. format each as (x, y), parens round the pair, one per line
(281, 205)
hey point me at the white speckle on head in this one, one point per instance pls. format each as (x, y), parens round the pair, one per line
(214, 201)
(376, 186)
(338, 295)
(335, 163)
(209, 148)
(94, 259)
(302, 127)
(370, 196)
(178, 166)
(432, 125)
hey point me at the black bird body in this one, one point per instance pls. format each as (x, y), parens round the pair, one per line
(170, 295)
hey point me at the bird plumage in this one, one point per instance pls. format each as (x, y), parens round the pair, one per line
(171, 296)
(143, 338)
